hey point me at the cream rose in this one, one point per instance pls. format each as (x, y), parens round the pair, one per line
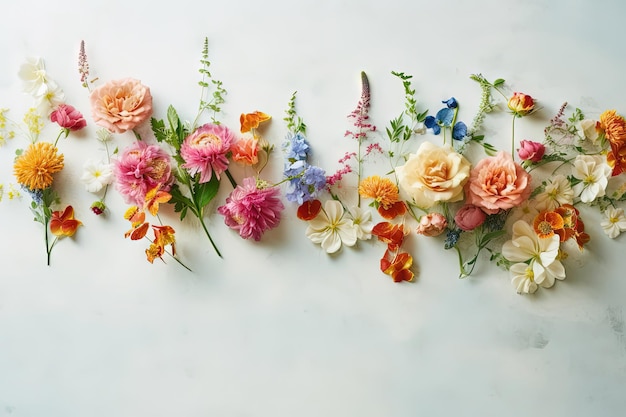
(434, 174)
(121, 105)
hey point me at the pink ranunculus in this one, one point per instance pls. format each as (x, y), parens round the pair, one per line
(246, 151)
(521, 104)
(204, 151)
(469, 217)
(531, 151)
(252, 209)
(140, 168)
(432, 224)
(121, 105)
(68, 117)
(497, 183)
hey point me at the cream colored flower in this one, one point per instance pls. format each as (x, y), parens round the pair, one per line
(593, 172)
(541, 255)
(49, 96)
(331, 228)
(523, 278)
(363, 223)
(33, 75)
(586, 129)
(434, 174)
(614, 222)
(557, 192)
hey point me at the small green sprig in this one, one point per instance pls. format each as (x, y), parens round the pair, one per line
(486, 106)
(217, 97)
(295, 124)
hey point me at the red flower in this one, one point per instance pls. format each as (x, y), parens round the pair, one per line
(63, 223)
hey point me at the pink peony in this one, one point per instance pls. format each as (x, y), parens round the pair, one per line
(140, 168)
(497, 183)
(531, 151)
(432, 224)
(469, 217)
(204, 151)
(68, 117)
(252, 210)
(121, 105)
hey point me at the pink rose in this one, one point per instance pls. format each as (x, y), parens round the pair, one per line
(497, 183)
(469, 217)
(432, 224)
(521, 104)
(68, 117)
(121, 105)
(531, 151)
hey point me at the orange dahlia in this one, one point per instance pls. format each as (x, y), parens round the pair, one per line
(614, 127)
(34, 167)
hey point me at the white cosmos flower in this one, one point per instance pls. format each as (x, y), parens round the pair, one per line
(614, 222)
(33, 75)
(523, 278)
(331, 228)
(540, 254)
(557, 192)
(593, 172)
(96, 175)
(363, 223)
(49, 96)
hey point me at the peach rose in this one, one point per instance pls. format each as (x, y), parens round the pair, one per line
(121, 105)
(433, 175)
(497, 183)
(432, 224)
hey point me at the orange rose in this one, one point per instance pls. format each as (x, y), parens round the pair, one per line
(497, 183)
(521, 104)
(121, 105)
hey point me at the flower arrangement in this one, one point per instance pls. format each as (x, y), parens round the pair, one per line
(522, 208)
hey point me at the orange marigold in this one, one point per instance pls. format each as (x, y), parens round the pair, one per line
(382, 190)
(34, 167)
(614, 127)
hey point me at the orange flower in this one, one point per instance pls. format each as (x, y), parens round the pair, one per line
(521, 104)
(246, 151)
(154, 197)
(164, 235)
(616, 158)
(154, 251)
(570, 217)
(64, 223)
(391, 234)
(34, 167)
(546, 223)
(385, 195)
(251, 121)
(397, 266)
(137, 219)
(614, 127)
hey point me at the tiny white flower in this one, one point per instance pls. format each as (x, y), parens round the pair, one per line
(103, 135)
(557, 192)
(96, 175)
(586, 129)
(593, 172)
(523, 278)
(331, 228)
(420, 128)
(33, 75)
(363, 223)
(614, 222)
(49, 96)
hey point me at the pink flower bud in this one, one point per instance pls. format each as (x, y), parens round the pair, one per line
(531, 151)
(469, 217)
(432, 224)
(521, 104)
(68, 117)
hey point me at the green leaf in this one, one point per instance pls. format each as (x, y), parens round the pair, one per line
(172, 118)
(205, 192)
(498, 82)
(181, 203)
(159, 129)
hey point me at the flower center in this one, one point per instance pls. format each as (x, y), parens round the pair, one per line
(545, 228)
(207, 139)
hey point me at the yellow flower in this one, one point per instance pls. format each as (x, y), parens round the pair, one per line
(34, 168)
(382, 190)
(33, 122)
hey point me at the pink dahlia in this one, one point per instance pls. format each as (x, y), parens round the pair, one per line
(140, 168)
(204, 151)
(252, 210)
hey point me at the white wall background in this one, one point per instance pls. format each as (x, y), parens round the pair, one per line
(278, 328)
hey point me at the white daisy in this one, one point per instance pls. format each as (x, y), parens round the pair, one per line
(593, 172)
(331, 228)
(557, 192)
(96, 175)
(614, 222)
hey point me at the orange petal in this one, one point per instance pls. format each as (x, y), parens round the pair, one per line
(309, 210)
(251, 121)
(63, 223)
(139, 232)
(396, 209)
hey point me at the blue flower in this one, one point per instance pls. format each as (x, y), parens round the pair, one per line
(305, 183)
(459, 131)
(296, 147)
(451, 103)
(442, 118)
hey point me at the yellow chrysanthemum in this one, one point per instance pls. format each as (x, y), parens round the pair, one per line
(382, 190)
(614, 127)
(34, 168)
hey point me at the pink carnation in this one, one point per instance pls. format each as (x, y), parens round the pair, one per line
(121, 105)
(252, 210)
(204, 151)
(139, 169)
(68, 117)
(497, 183)
(469, 217)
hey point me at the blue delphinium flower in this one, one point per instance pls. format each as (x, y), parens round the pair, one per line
(305, 182)
(296, 147)
(445, 118)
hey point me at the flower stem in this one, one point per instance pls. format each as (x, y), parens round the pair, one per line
(513, 138)
(230, 178)
(206, 231)
(462, 272)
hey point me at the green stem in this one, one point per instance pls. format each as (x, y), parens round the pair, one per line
(462, 272)
(66, 131)
(513, 138)
(230, 178)
(48, 248)
(206, 231)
